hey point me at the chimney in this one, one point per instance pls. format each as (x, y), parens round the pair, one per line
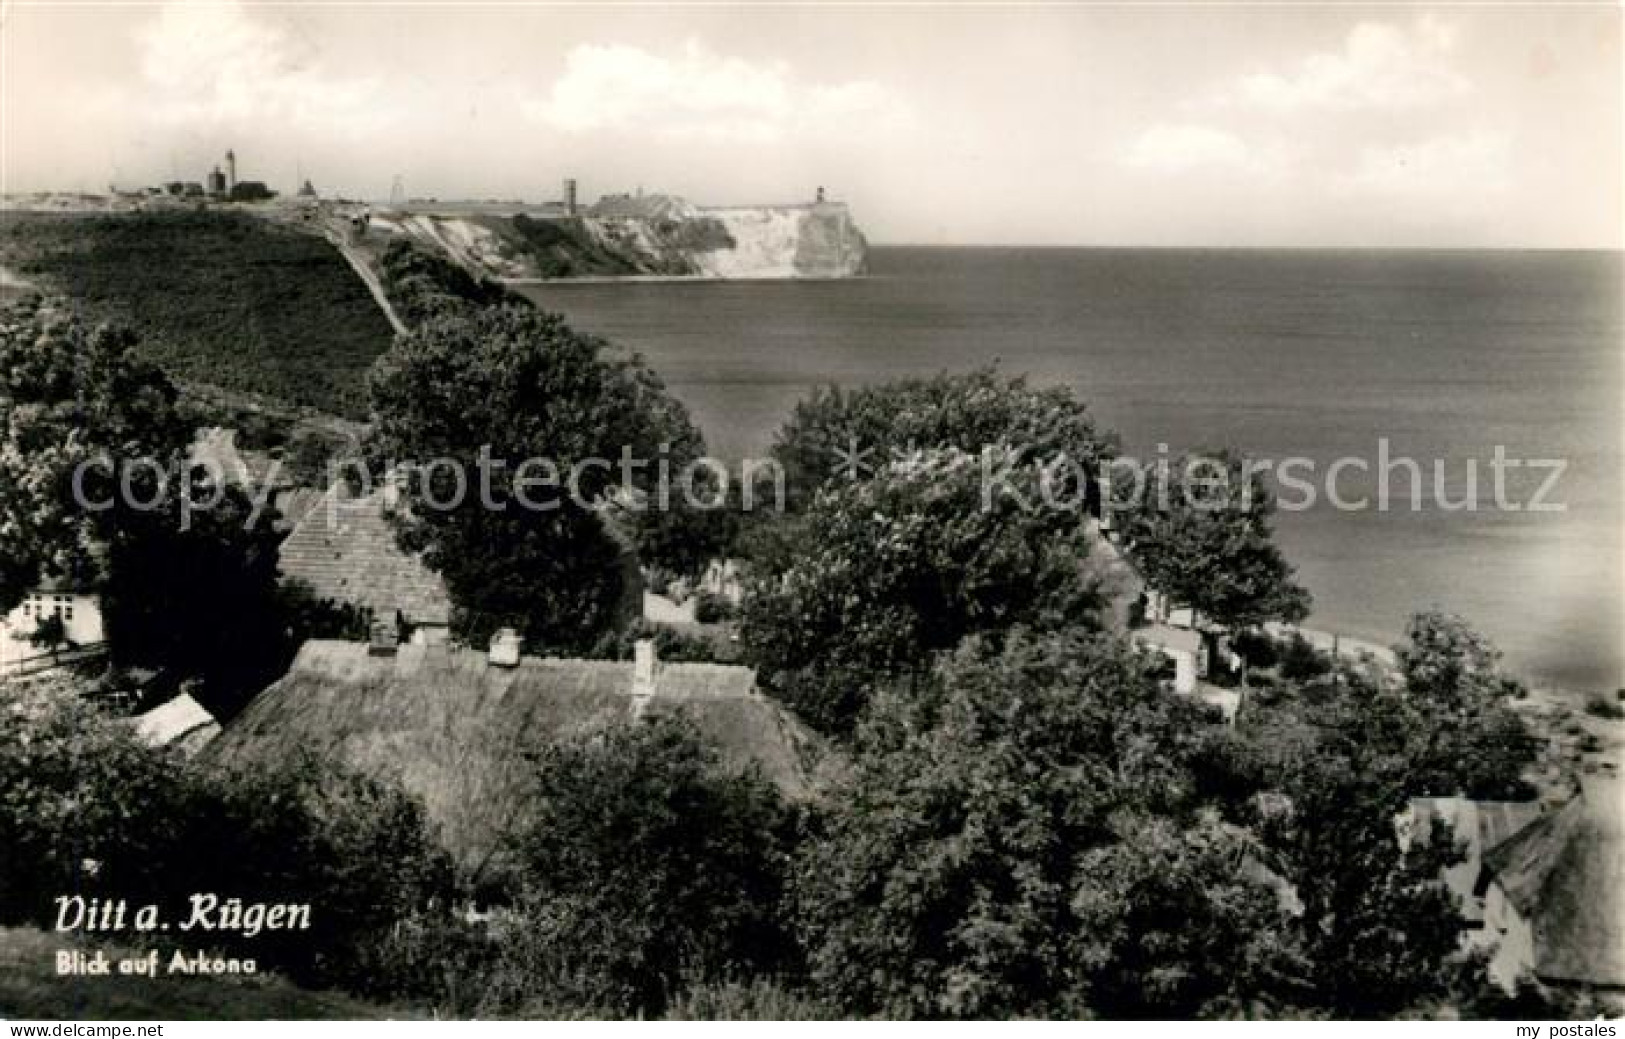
(505, 647)
(644, 659)
(385, 638)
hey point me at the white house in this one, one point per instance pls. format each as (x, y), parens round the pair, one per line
(80, 611)
(1183, 646)
(1554, 903)
(1542, 893)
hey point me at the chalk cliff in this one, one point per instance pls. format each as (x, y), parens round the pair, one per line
(648, 236)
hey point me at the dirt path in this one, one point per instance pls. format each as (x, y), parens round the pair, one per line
(358, 261)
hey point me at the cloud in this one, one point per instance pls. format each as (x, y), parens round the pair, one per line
(1174, 148)
(700, 94)
(1460, 172)
(1380, 66)
(214, 62)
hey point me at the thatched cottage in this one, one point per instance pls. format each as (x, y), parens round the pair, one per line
(453, 726)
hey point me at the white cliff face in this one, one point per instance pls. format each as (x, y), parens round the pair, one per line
(789, 242)
(469, 243)
(764, 242)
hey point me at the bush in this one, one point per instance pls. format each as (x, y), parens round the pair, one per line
(433, 957)
(1601, 707)
(359, 851)
(1257, 649)
(423, 284)
(757, 999)
(87, 809)
(711, 608)
(649, 863)
(1301, 661)
(671, 644)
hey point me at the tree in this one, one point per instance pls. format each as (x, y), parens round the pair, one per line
(195, 591)
(992, 853)
(74, 399)
(1200, 533)
(359, 850)
(77, 788)
(648, 864)
(94, 491)
(840, 435)
(877, 576)
(490, 390)
(1170, 924)
(1378, 926)
(1464, 737)
(1338, 763)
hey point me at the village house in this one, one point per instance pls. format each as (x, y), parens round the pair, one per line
(77, 608)
(455, 725)
(344, 551)
(1541, 891)
(1554, 895)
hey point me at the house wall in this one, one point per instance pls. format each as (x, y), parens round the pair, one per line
(1511, 936)
(81, 617)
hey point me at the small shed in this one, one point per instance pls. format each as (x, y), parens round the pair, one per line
(181, 722)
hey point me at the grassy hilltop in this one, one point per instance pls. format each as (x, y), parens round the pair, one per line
(220, 298)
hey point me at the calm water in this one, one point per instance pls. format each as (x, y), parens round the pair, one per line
(1314, 354)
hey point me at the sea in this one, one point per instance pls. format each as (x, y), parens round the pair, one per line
(1440, 358)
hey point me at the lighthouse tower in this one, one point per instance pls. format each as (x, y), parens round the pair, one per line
(231, 171)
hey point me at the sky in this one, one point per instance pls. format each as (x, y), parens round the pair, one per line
(1198, 125)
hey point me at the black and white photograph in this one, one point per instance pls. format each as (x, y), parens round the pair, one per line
(811, 512)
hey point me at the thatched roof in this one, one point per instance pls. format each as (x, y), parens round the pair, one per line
(1479, 826)
(1565, 874)
(454, 730)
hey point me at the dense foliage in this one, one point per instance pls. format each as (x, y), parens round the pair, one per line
(517, 393)
(187, 570)
(1199, 530)
(649, 865)
(216, 297)
(86, 809)
(75, 400)
(843, 435)
(422, 284)
(997, 849)
(878, 575)
(195, 592)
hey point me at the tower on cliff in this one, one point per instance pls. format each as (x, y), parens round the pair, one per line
(231, 171)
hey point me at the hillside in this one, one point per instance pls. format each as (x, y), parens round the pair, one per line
(30, 988)
(654, 236)
(221, 298)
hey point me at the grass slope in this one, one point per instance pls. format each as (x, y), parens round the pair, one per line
(222, 298)
(31, 989)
